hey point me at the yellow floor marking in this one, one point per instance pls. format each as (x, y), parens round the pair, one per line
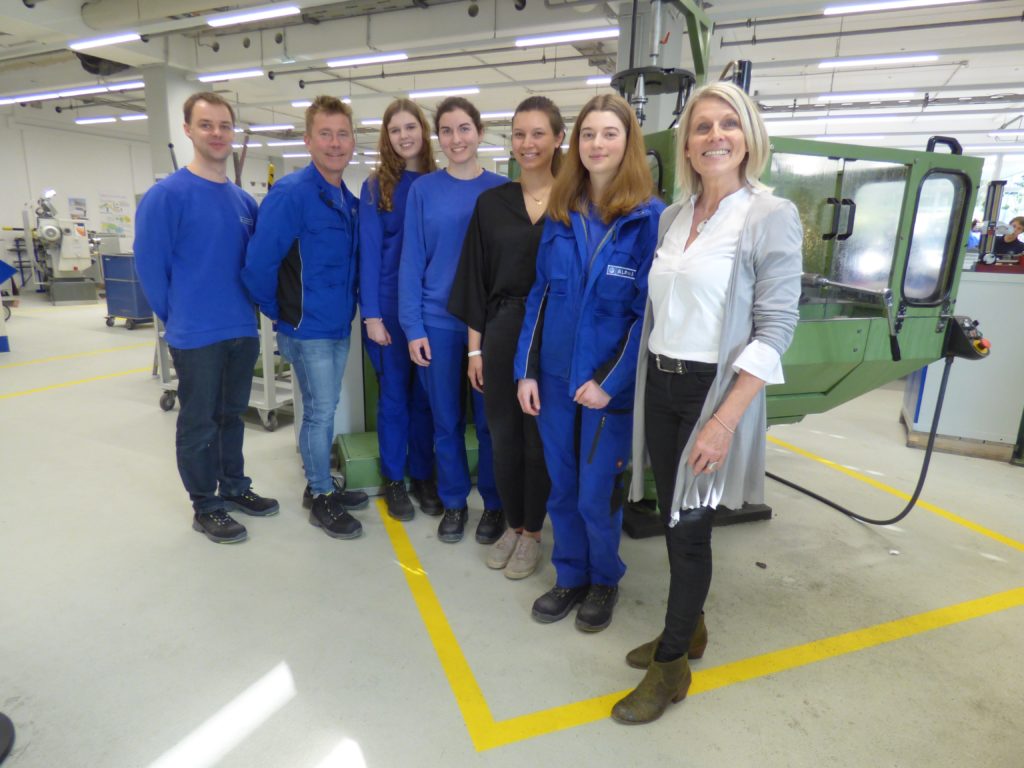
(901, 495)
(488, 733)
(65, 384)
(74, 355)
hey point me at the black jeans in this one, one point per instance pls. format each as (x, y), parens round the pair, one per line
(214, 384)
(519, 469)
(672, 406)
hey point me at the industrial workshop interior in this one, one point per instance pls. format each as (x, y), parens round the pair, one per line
(866, 612)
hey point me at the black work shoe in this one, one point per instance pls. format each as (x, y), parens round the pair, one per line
(251, 503)
(596, 612)
(329, 513)
(397, 499)
(425, 493)
(349, 499)
(452, 525)
(490, 527)
(219, 527)
(556, 603)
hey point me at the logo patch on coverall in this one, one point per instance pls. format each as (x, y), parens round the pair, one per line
(626, 272)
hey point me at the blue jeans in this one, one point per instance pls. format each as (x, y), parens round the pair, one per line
(214, 384)
(318, 365)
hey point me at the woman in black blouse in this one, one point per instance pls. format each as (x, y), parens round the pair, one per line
(496, 271)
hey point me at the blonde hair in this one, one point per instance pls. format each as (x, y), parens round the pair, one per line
(389, 171)
(326, 105)
(754, 133)
(632, 184)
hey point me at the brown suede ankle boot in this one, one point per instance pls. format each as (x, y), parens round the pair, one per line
(641, 656)
(665, 683)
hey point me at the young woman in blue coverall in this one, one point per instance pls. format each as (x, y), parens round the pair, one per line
(577, 351)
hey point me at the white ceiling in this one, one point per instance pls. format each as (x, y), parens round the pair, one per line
(975, 86)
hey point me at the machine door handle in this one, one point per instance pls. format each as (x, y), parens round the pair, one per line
(834, 227)
(849, 222)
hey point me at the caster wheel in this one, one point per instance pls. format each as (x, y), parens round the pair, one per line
(110, 322)
(167, 401)
(270, 421)
(129, 324)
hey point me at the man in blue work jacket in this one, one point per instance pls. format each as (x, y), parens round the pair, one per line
(301, 270)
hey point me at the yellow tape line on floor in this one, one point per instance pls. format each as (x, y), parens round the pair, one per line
(901, 495)
(488, 733)
(74, 355)
(65, 384)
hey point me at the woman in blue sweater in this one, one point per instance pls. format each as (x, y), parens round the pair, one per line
(578, 348)
(405, 431)
(437, 215)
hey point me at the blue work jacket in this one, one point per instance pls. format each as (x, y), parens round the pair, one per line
(585, 310)
(300, 267)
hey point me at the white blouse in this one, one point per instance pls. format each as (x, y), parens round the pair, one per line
(688, 285)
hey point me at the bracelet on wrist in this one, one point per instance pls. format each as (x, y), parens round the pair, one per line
(730, 430)
(474, 353)
(369, 320)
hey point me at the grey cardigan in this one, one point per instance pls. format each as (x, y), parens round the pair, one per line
(761, 303)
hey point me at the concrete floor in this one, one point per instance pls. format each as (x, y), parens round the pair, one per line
(127, 639)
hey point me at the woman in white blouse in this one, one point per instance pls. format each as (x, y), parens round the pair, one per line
(724, 290)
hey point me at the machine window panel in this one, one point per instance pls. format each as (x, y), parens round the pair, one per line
(936, 237)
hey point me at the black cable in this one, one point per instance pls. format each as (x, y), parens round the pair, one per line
(920, 479)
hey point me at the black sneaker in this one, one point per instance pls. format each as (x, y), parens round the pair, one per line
(425, 493)
(555, 604)
(349, 499)
(219, 527)
(452, 525)
(490, 527)
(251, 503)
(329, 513)
(397, 499)
(596, 612)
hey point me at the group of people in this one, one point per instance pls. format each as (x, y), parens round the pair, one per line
(591, 325)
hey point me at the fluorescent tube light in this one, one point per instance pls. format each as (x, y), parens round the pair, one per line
(34, 97)
(891, 95)
(131, 85)
(97, 42)
(371, 152)
(443, 93)
(216, 77)
(886, 5)
(244, 17)
(496, 115)
(872, 61)
(304, 103)
(273, 127)
(568, 37)
(358, 61)
(250, 145)
(83, 91)
(133, 118)
(295, 154)
(491, 149)
(94, 120)
(372, 121)
(293, 143)
(605, 80)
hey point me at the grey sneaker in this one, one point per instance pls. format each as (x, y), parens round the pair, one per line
(525, 559)
(501, 551)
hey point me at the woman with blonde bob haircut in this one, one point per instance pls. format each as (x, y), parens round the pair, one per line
(578, 347)
(724, 291)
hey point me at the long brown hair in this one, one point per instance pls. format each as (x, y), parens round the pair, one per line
(632, 184)
(554, 116)
(389, 171)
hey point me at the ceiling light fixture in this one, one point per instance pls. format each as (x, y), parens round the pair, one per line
(604, 80)
(876, 61)
(568, 37)
(216, 77)
(261, 14)
(443, 93)
(358, 61)
(98, 42)
(491, 149)
(130, 85)
(293, 143)
(303, 103)
(83, 91)
(890, 96)
(273, 127)
(250, 145)
(371, 122)
(496, 115)
(132, 118)
(887, 5)
(94, 120)
(295, 154)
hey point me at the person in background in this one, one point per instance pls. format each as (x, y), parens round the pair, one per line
(437, 213)
(1010, 244)
(301, 270)
(724, 294)
(496, 271)
(577, 351)
(191, 231)
(405, 430)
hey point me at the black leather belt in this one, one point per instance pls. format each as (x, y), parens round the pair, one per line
(671, 365)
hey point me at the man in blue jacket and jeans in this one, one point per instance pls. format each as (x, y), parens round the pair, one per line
(301, 270)
(191, 231)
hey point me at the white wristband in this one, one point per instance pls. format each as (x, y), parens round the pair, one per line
(474, 353)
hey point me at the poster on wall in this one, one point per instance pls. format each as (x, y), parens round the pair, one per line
(116, 215)
(78, 208)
